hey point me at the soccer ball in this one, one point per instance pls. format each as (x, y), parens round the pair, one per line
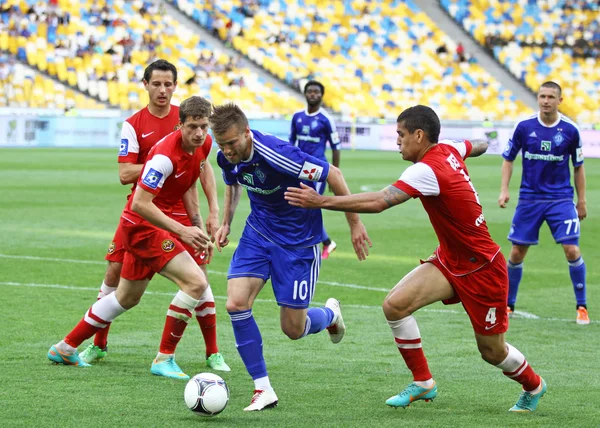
(206, 394)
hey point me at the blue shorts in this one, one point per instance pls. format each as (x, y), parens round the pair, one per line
(293, 271)
(561, 217)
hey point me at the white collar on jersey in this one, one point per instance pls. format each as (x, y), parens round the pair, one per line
(549, 126)
(312, 114)
(251, 151)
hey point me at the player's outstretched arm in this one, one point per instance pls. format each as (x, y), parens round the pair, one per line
(479, 147)
(507, 170)
(579, 178)
(143, 205)
(129, 172)
(209, 186)
(232, 198)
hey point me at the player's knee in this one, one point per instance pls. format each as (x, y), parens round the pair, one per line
(236, 305)
(113, 272)
(128, 301)
(517, 254)
(194, 286)
(395, 309)
(294, 332)
(572, 252)
(493, 355)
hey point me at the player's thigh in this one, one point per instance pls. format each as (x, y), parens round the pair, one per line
(422, 286)
(563, 222)
(292, 321)
(242, 291)
(113, 272)
(294, 275)
(526, 223)
(183, 271)
(129, 293)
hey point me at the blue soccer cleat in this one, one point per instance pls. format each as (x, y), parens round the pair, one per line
(412, 393)
(168, 368)
(528, 402)
(58, 357)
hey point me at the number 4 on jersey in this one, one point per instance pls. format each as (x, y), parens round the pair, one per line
(491, 316)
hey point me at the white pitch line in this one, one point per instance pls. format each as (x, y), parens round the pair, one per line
(517, 314)
(162, 293)
(97, 262)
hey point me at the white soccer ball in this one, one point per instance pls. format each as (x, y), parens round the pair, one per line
(206, 394)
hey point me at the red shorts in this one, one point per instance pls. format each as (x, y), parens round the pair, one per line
(148, 250)
(116, 250)
(483, 294)
(200, 259)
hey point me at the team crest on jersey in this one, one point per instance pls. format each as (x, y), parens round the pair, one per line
(167, 245)
(152, 178)
(305, 129)
(558, 138)
(124, 147)
(261, 175)
(111, 248)
(248, 178)
(546, 146)
(314, 124)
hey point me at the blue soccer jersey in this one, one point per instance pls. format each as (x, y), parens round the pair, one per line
(546, 151)
(311, 132)
(275, 165)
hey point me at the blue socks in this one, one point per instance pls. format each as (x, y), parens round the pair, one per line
(515, 273)
(577, 272)
(249, 342)
(317, 319)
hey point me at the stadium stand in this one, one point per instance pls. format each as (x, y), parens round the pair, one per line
(102, 48)
(375, 57)
(538, 41)
(22, 87)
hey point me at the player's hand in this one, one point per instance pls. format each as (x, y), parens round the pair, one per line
(303, 196)
(210, 251)
(360, 240)
(195, 237)
(212, 225)
(503, 199)
(581, 210)
(221, 239)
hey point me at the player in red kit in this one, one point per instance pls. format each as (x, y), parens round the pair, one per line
(467, 266)
(139, 134)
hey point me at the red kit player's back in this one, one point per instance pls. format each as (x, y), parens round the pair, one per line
(442, 183)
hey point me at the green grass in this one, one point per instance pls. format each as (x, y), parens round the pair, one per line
(59, 209)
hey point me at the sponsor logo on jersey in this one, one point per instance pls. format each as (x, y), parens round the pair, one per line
(167, 245)
(533, 134)
(558, 138)
(547, 158)
(259, 190)
(546, 146)
(305, 129)
(124, 147)
(579, 154)
(111, 248)
(152, 178)
(248, 178)
(310, 171)
(147, 135)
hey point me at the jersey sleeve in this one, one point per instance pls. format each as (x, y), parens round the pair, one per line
(418, 180)
(293, 132)
(156, 171)
(226, 169)
(290, 160)
(463, 147)
(515, 142)
(334, 138)
(129, 149)
(577, 149)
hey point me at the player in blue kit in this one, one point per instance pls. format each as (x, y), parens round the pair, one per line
(548, 140)
(311, 130)
(279, 241)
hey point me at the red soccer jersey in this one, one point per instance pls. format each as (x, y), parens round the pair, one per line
(169, 172)
(441, 181)
(142, 131)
